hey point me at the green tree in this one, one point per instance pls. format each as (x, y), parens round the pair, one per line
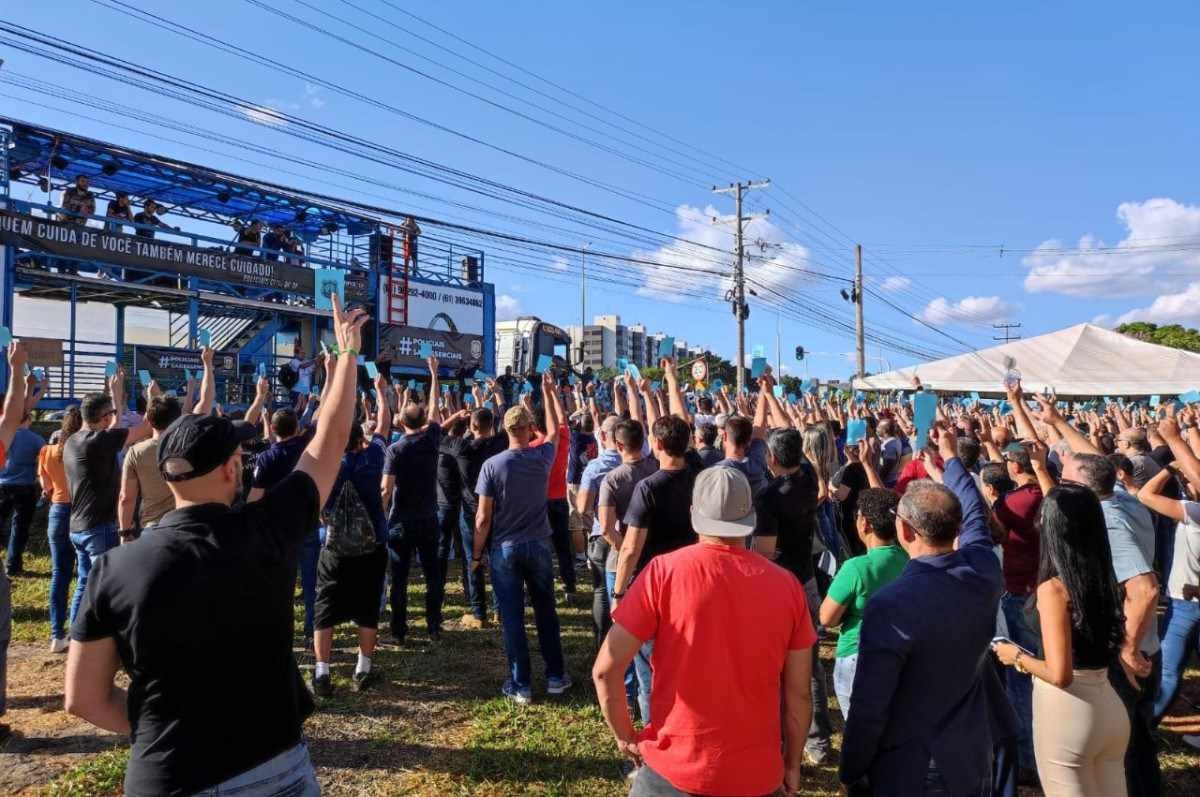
(1173, 335)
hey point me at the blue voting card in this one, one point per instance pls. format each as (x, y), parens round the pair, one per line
(412, 384)
(262, 369)
(491, 405)
(717, 384)
(634, 371)
(777, 390)
(326, 282)
(666, 347)
(924, 414)
(544, 362)
(468, 399)
(372, 369)
(110, 368)
(1155, 401)
(572, 380)
(480, 376)
(975, 398)
(203, 338)
(622, 364)
(1190, 397)
(425, 351)
(5, 336)
(806, 385)
(792, 398)
(757, 366)
(856, 430)
(144, 377)
(656, 385)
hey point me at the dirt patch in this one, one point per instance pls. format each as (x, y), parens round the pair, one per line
(46, 740)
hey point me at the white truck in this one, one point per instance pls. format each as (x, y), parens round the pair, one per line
(520, 343)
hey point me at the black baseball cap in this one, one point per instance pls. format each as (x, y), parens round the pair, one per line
(195, 445)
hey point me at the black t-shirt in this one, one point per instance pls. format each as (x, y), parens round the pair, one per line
(709, 456)
(449, 480)
(786, 509)
(413, 461)
(209, 584)
(90, 460)
(149, 219)
(662, 505)
(470, 453)
(854, 476)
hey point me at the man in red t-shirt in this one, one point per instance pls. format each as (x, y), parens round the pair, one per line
(1017, 512)
(731, 632)
(558, 510)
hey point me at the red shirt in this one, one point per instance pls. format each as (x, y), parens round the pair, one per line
(723, 620)
(557, 486)
(1018, 514)
(913, 470)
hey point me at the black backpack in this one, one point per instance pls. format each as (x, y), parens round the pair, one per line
(288, 376)
(349, 528)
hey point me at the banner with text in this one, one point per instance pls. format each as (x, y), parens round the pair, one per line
(92, 243)
(168, 364)
(453, 349)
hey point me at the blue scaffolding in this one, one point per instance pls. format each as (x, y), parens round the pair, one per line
(243, 296)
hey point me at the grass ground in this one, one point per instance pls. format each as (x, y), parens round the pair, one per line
(435, 725)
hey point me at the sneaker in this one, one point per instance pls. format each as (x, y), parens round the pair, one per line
(322, 686)
(556, 686)
(521, 697)
(1192, 741)
(59, 645)
(469, 622)
(362, 680)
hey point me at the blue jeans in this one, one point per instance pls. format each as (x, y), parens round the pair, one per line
(62, 562)
(420, 536)
(631, 678)
(289, 774)
(18, 502)
(1018, 686)
(1179, 639)
(310, 552)
(844, 668)
(517, 567)
(476, 587)
(89, 545)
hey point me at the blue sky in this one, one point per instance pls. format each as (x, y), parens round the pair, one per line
(931, 134)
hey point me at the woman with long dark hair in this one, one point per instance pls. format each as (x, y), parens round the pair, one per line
(1080, 726)
(55, 488)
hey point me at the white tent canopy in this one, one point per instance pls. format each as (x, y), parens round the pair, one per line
(1083, 360)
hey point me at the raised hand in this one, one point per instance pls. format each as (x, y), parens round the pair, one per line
(347, 326)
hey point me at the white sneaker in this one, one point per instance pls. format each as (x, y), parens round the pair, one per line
(59, 645)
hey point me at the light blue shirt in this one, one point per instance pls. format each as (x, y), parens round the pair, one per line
(1131, 538)
(593, 477)
(20, 469)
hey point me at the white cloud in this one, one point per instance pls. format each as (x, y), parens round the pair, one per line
(772, 269)
(559, 263)
(1173, 308)
(973, 310)
(312, 96)
(895, 284)
(264, 114)
(1151, 227)
(507, 307)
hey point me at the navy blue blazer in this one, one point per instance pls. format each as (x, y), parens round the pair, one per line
(925, 687)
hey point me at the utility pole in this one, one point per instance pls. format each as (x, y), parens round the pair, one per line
(1007, 328)
(737, 296)
(859, 332)
(582, 301)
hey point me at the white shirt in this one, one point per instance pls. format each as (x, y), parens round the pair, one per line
(1185, 567)
(304, 374)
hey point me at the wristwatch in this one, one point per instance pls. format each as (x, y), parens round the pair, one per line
(617, 596)
(1018, 666)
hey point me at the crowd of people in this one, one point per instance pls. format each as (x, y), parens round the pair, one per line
(253, 237)
(995, 578)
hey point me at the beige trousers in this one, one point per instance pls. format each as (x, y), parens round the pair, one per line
(1079, 737)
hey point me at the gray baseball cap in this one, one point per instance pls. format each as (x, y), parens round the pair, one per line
(722, 503)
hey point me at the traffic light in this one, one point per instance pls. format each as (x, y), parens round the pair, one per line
(799, 352)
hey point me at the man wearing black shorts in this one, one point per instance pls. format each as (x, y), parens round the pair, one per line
(212, 582)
